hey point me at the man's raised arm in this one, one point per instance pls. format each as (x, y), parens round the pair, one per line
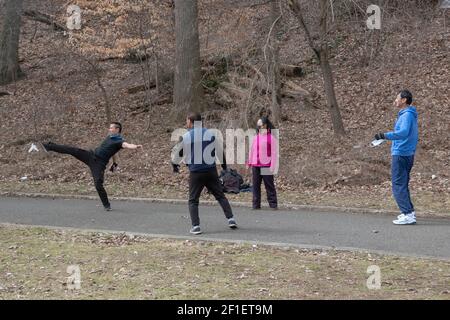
(131, 146)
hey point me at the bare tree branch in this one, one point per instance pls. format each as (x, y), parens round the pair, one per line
(44, 18)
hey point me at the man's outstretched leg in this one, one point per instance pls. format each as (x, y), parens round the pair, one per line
(80, 154)
(87, 157)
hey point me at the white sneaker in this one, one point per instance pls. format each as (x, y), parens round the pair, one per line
(402, 215)
(33, 148)
(406, 219)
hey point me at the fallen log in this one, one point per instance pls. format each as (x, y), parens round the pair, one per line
(289, 70)
(165, 77)
(146, 107)
(292, 90)
(134, 55)
(44, 18)
(246, 3)
(233, 89)
(290, 86)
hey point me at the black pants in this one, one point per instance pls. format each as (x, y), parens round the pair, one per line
(94, 163)
(210, 180)
(269, 183)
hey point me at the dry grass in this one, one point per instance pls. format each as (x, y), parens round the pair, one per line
(34, 262)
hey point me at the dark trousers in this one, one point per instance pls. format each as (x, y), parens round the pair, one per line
(210, 180)
(269, 184)
(96, 165)
(400, 171)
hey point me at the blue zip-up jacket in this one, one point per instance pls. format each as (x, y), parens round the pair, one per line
(406, 133)
(196, 142)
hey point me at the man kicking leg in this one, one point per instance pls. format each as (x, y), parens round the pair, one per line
(97, 159)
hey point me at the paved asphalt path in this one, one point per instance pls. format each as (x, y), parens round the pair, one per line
(373, 232)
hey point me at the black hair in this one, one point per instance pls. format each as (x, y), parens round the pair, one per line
(117, 125)
(194, 116)
(405, 94)
(268, 123)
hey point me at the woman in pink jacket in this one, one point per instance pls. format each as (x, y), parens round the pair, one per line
(263, 161)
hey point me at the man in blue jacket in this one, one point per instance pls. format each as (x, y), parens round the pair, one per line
(404, 142)
(196, 146)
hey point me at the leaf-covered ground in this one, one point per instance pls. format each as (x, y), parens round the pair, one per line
(34, 265)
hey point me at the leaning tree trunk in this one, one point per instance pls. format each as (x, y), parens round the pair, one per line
(338, 125)
(10, 13)
(321, 51)
(328, 81)
(275, 62)
(188, 91)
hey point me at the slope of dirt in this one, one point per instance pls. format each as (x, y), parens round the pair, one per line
(60, 99)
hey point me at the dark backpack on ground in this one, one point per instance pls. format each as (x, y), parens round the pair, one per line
(231, 180)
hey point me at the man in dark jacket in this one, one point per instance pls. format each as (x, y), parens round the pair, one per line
(404, 142)
(202, 169)
(97, 159)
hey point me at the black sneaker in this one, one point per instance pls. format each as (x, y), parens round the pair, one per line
(195, 230)
(232, 223)
(108, 208)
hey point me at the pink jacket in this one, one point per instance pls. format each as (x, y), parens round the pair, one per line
(263, 152)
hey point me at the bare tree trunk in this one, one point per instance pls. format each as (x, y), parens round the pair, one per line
(327, 72)
(188, 91)
(108, 113)
(328, 82)
(97, 72)
(275, 62)
(321, 51)
(10, 13)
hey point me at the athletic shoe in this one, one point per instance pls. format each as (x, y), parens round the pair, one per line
(108, 208)
(406, 219)
(232, 223)
(401, 215)
(33, 147)
(195, 230)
